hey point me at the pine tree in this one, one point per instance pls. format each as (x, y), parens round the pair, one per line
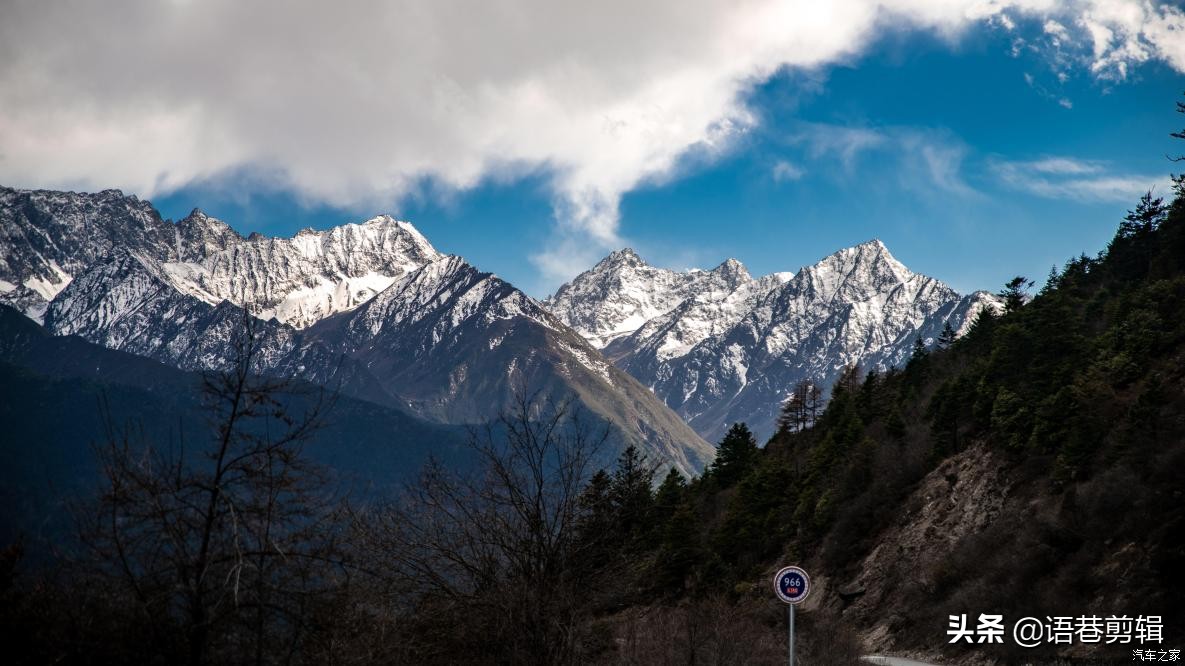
(597, 517)
(919, 350)
(1179, 178)
(631, 495)
(947, 337)
(868, 394)
(918, 365)
(982, 325)
(679, 552)
(801, 407)
(791, 414)
(1147, 216)
(1015, 293)
(814, 403)
(1051, 281)
(849, 381)
(735, 455)
(668, 497)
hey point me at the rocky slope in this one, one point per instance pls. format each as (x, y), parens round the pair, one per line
(720, 346)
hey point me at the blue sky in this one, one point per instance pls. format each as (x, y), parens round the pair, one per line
(930, 146)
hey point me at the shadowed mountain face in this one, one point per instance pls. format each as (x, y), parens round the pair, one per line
(370, 309)
(720, 346)
(450, 341)
(59, 395)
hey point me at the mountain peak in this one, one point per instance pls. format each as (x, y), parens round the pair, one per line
(199, 236)
(731, 268)
(869, 257)
(623, 257)
(869, 248)
(198, 218)
(384, 220)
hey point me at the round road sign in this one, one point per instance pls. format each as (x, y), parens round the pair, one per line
(791, 584)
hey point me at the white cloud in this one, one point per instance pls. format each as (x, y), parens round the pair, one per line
(1071, 178)
(847, 143)
(1055, 30)
(922, 159)
(1125, 33)
(365, 101)
(1064, 166)
(1063, 101)
(784, 171)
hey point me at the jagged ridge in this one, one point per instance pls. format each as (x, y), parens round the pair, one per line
(720, 346)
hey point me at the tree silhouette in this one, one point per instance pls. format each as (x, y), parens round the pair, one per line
(222, 539)
(735, 455)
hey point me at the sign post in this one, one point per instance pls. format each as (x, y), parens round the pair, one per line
(792, 586)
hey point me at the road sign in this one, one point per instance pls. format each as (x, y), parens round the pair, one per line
(792, 585)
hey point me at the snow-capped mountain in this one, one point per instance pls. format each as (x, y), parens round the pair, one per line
(720, 355)
(371, 308)
(129, 303)
(622, 293)
(49, 237)
(298, 280)
(54, 236)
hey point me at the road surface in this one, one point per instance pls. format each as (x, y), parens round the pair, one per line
(892, 661)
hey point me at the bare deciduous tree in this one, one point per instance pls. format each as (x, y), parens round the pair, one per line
(802, 407)
(480, 562)
(223, 542)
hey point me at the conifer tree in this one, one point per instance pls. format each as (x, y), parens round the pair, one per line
(631, 495)
(801, 407)
(1147, 216)
(1015, 293)
(947, 337)
(919, 350)
(735, 455)
(1179, 178)
(679, 551)
(597, 517)
(668, 497)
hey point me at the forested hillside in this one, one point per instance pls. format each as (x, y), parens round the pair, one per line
(1030, 468)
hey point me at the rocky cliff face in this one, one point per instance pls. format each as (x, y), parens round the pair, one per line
(49, 237)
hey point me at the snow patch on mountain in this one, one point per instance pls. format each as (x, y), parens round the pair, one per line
(589, 359)
(48, 288)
